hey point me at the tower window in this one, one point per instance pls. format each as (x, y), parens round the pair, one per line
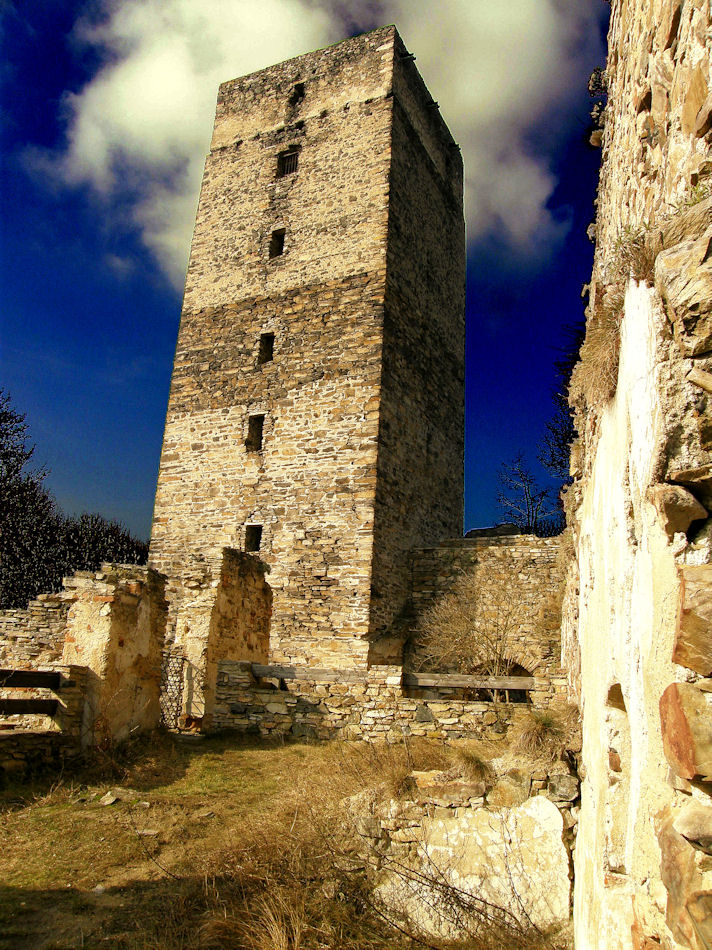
(255, 425)
(276, 243)
(298, 93)
(287, 162)
(253, 537)
(266, 350)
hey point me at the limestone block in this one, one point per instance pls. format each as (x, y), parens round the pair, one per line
(686, 719)
(513, 858)
(695, 824)
(693, 637)
(676, 507)
(683, 275)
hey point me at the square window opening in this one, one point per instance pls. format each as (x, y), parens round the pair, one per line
(287, 162)
(253, 537)
(266, 350)
(276, 243)
(255, 425)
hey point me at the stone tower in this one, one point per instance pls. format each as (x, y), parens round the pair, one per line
(315, 418)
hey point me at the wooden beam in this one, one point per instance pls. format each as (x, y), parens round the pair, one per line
(28, 707)
(29, 679)
(472, 682)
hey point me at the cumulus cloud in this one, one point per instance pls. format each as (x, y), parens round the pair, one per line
(141, 126)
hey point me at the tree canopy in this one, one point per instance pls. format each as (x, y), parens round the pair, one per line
(39, 545)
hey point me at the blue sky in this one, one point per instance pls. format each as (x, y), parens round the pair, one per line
(107, 109)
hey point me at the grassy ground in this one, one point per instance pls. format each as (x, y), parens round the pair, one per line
(213, 844)
(150, 869)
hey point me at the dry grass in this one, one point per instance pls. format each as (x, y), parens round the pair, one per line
(243, 846)
(546, 735)
(595, 377)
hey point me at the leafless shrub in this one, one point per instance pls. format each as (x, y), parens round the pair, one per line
(469, 629)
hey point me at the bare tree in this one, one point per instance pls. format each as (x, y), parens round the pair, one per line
(533, 508)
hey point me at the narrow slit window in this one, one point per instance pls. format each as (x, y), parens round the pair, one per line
(255, 425)
(253, 537)
(266, 350)
(276, 243)
(298, 93)
(287, 162)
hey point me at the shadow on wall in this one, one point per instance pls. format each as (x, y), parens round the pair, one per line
(239, 627)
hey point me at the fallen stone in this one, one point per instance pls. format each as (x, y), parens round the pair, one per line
(117, 795)
(677, 508)
(686, 719)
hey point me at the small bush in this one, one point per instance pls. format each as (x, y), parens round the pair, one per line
(546, 734)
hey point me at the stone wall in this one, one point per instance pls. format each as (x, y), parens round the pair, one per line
(504, 839)
(520, 570)
(354, 704)
(24, 754)
(71, 716)
(637, 607)
(33, 635)
(360, 454)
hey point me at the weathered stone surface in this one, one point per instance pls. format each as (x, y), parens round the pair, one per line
(677, 507)
(694, 823)
(688, 880)
(514, 858)
(693, 638)
(686, 718)
(683, 275)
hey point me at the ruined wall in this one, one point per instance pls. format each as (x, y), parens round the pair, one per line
(311, 485)
(356, 704)
(636, 612)
(221, 617)
(116, 628)
(34, 635)
(522, 570)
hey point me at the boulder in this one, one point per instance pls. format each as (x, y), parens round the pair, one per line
(686, 720)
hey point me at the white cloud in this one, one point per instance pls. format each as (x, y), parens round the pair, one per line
(496, 68)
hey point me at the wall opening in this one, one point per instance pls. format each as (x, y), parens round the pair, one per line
(255, 427)
(276, 243)
(266, 351)
(298, 93)
(253, 537)
(287, 162)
